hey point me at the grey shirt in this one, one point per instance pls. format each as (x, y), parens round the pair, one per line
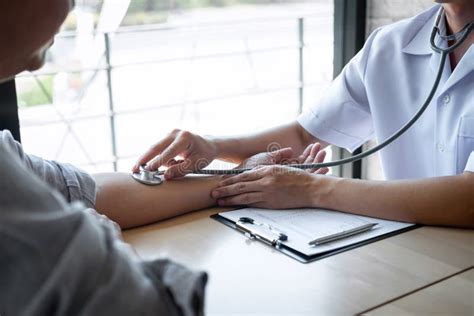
(56, 258)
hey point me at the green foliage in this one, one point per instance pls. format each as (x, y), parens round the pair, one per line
(142, 18)
(31, 94)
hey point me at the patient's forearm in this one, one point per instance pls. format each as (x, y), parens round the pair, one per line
(130, 203)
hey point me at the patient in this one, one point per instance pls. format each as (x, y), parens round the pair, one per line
(58, 256)
(24, 39)
(130, 203)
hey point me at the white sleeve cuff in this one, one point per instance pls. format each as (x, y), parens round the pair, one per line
(317, 127)
(470, 163)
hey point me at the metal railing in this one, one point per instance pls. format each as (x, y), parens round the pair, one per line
(109, 67)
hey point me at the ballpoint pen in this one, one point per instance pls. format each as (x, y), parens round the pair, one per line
(343, 234)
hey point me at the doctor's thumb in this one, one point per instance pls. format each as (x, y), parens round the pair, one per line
(178, 170)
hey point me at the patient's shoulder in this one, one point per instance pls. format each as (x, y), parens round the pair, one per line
(6, 139)
(7, 142)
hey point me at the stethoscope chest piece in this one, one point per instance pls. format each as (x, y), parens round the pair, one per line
(148, 177)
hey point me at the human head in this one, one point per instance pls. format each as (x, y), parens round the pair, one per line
(458, 14)
(458, 7)
(27, 28)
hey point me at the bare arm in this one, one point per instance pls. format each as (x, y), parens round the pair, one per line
(131, 204)
(291, 135)
(444, 201)
(198, 151)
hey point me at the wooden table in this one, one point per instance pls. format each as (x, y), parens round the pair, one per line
(398, 274)
(452, 296)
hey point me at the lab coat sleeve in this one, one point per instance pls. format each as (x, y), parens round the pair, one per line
(342, 116)
(470, 163)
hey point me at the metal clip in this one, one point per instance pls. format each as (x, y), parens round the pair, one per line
(148, 177)
(252, 233)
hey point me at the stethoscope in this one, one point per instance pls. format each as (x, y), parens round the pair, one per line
(150, 177)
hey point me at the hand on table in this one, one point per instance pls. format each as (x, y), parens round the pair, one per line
(275, 186)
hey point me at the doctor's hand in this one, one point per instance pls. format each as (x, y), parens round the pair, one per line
(283, 156)
(276, 186)
(180, 151)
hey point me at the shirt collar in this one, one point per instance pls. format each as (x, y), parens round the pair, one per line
(420, 43)
(465, 66)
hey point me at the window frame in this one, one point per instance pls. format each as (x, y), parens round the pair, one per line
(349, 37)
(9, 109)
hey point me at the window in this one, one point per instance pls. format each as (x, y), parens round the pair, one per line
(102, 99)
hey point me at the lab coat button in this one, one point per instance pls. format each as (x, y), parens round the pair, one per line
(440, 147)
(446, 99)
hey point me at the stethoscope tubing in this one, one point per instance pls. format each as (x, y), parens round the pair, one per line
(362, 155)
(442, 51)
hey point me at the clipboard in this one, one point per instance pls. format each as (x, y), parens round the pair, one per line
(301, 253)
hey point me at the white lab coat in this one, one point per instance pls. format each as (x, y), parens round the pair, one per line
(384, 85)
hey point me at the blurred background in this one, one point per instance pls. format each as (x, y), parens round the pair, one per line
(122, 74)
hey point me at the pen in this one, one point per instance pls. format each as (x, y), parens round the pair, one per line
(343, 234)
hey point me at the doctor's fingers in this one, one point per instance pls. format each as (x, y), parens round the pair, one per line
(173, 162)
(177, 147)
(242, 199)
(319, 159)
(252, 175)
(177, 168)
(183, 167)
(316, 156)
(153, 151)
(237, 189)
(311, 155)
(305, 155)
(193, 162)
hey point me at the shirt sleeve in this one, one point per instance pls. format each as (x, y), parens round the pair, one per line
(470, 163)
(56, 257)
(73, 183)
(342, 117)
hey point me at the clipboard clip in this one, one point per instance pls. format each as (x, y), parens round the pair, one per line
(269, 234)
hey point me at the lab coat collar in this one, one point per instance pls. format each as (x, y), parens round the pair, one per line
(420, 43)
(463, 68)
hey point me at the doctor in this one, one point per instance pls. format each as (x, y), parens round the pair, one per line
(430, 169)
